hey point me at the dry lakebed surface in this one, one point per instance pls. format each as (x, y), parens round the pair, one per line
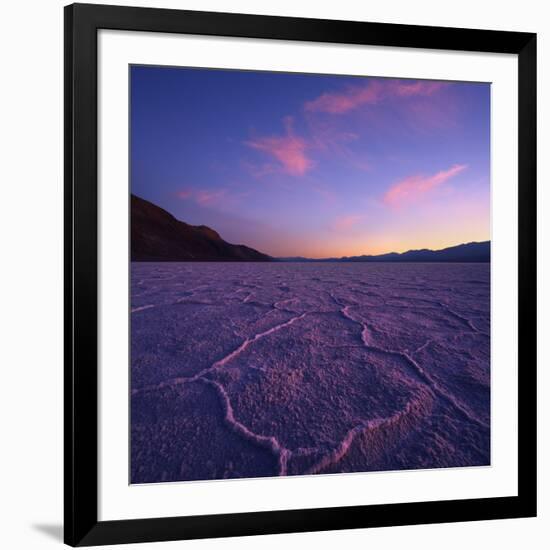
(279, 368)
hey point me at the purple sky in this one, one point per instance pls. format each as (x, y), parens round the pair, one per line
(314, 165)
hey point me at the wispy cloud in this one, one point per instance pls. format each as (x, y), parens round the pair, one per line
(411, 188)
(374, 92)
(203, 197)
(328, 197)
(185, 194)
(210, 197)
(415, 87)
(328, 136)
(290, 150)
(260, 170)
(347, 222)
(342, 102)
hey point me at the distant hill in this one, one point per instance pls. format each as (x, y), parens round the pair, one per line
(469, 252)
(157, 236)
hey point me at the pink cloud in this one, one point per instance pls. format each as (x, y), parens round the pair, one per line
(344, 223)
(288, 150)
(374, 92)
(418, 87)
(203, 197)
(353, 97)
(325, 135)
(328, 138)
(413, 187)
(209, 197)
(185, 194)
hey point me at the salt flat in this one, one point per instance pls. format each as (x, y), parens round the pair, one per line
(267, 369)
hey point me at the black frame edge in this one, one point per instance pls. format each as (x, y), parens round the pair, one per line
(301, 29)
(80, 227)
(68, 496)
(300, 521)
(81, 526)
(527, 275)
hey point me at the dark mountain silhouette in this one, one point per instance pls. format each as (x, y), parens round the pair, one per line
(468, 252)
(157, 236)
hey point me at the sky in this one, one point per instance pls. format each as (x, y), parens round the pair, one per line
(310, 165)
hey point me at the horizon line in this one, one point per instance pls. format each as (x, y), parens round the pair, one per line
(336, 258)
(308, 258)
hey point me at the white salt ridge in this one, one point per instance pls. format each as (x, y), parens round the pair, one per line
(141, 308)
(432, 384)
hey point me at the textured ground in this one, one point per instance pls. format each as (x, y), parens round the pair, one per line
(265, 369)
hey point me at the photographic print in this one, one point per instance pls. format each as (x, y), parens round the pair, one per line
(309, 274)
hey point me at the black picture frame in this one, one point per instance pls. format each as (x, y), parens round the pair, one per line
(82, 22)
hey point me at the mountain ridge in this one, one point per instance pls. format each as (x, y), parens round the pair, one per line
(156, 235)
(472, 252)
